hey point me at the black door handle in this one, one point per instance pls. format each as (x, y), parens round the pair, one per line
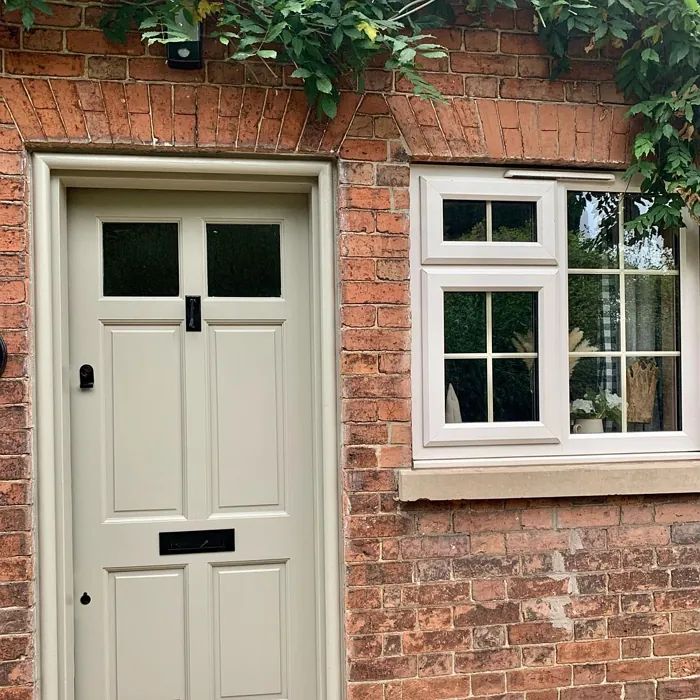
(85, 599)
(193, 314)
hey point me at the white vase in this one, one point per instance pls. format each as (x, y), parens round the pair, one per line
(588, 425)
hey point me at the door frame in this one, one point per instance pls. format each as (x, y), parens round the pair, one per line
(52, 174)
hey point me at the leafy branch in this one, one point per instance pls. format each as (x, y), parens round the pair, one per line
(657, 42)
(324, 40)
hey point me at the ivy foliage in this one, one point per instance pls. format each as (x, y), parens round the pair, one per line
(657, 47)
(656, 44)
(324, 40)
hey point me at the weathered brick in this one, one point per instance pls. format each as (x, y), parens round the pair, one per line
(640, 669)
(536, 600)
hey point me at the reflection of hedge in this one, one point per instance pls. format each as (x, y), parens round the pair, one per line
(465, 322)
(465, 220)
(468, 378)
(515, 390)
(465, 331)
(587, 308)
(141, 259)
(515, 395)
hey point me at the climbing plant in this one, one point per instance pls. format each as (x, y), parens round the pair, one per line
(656, 45)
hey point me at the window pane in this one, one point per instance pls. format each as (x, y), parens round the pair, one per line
(243, 260)
(652, 312)
(465, 322)
(649, 249)
(514, 222)
(593, 224)
(514, 321)
(140, 259)
(653, 394)
(515, 390)
(463, 220)
(594, 311)
(594, 392)
(465, 391)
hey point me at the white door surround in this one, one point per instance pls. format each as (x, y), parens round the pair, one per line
(52, 174)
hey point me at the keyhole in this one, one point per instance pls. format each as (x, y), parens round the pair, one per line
(85, 599)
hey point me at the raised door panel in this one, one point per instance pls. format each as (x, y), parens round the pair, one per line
(250, 645)
(148, 649)
(247, 411)
(145, 421)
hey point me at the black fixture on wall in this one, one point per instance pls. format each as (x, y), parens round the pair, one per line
(185, 53)
(3, 355)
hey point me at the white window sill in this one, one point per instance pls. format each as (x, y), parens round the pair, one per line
(550, 481)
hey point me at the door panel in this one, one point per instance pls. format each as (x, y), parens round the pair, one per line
(254, 599)
(192, 431)
(247, 416)
(148, 624)
(146, 430)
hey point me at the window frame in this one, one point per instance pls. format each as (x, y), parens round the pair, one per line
(434, 190)
(461, 279)
(436, 444)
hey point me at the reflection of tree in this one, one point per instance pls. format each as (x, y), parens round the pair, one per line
(647, 247)
(648, 252)
(593, 220)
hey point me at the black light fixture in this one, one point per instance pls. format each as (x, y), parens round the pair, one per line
(187, 53)
(3, 355)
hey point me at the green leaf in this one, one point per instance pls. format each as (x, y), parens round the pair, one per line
(407, 55)
(658, 69)
(329, 106)
(324, 85)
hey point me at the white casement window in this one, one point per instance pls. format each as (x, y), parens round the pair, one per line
(546, 329)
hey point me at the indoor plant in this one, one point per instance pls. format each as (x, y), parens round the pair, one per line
(589, 412)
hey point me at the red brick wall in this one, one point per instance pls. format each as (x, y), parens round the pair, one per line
(516, 600)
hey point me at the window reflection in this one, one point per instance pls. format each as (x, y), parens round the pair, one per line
(593, 229)
(650, 248)
(624, 316)
(491, 357)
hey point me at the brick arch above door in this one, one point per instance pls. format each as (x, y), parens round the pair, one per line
(275, 120)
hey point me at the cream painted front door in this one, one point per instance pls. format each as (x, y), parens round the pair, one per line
(192, 446)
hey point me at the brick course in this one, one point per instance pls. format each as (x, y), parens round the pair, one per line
(505, 600)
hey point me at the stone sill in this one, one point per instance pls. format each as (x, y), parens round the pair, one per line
(550, 481)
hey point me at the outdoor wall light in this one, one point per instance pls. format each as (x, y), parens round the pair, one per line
(186, 54)
(3, 355)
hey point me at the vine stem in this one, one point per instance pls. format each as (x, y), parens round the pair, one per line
(411, 8)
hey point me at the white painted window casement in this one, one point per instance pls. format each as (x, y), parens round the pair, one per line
(547, 329)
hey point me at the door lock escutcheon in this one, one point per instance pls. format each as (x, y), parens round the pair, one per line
(85, 598)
